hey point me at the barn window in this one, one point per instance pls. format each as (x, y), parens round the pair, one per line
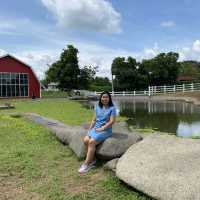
(13, 84)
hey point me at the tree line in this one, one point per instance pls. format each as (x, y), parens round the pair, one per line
(128, 74)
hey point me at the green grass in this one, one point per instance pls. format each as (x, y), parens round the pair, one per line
(69, 112)
(32, 159)
(54, 94)
(34, 165)
(64, 110)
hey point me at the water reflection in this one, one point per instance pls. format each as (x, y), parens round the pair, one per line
(189, 130)
(180, 118)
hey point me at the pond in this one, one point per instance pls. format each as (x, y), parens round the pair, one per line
(175, 117)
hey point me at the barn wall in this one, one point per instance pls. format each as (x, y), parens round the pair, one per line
(9, 64)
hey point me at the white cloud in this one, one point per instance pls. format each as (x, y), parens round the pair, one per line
(38, 60)
(196, 46)
(98, 55)
(2, 52)
(97, 15)
(192, 52)
(168, 23)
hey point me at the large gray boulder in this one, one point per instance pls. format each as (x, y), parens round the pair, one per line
(164, 167)
(116, 146)
(73, 136)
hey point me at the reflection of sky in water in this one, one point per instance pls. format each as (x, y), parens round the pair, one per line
(180, 118)
(188, 130)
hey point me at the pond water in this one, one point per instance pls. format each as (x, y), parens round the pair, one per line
(176, 117)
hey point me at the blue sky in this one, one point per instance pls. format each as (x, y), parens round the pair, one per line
(36, 31)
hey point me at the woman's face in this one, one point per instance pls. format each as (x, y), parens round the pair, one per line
(105, 99)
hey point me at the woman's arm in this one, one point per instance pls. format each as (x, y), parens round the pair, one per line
(93, 122)
(108, 124)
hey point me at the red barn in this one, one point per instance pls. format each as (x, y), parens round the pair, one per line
(17, 79)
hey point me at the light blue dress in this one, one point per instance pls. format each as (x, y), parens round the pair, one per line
(102, 117)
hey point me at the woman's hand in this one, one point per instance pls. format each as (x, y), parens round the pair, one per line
(100, 129)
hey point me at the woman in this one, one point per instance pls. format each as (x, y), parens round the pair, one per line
(100, 129)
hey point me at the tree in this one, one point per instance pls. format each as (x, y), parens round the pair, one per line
(190, 68)
(100, 84)
(86, 77)
(125, 73)
(163, 69)
(66, 70)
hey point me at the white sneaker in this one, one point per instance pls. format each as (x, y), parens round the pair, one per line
(85, 168)
(93, 163)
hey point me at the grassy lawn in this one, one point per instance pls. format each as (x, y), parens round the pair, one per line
(64, 110)
(34, 165)
(54, 94)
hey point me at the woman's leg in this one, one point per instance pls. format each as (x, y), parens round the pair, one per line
(91, 151)
(86, 141)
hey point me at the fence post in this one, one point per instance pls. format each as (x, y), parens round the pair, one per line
(134, 92)
(174, 88)
(164, 88)
(183, 87)
(192, 87)
(123, 93)
(149, 91)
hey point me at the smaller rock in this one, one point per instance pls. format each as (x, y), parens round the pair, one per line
(111, 165)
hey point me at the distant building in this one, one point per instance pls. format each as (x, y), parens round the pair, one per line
(52, 86)
(186, 78)
(17, 79)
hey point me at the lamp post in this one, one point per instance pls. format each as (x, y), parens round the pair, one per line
(150, 83)
(113, 92)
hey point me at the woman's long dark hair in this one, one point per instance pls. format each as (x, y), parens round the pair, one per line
(110, 103)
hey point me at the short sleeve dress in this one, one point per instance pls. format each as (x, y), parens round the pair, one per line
(102, 117)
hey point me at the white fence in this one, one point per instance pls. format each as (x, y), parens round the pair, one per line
(154, 90)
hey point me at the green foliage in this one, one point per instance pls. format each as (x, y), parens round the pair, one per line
(86, 77)
(100, 84)
(190, 68)
(67, 73)
(130, 75)
(125, 72)
(163, 69)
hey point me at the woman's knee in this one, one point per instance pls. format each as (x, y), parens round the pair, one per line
(86, 140)
(92, 142)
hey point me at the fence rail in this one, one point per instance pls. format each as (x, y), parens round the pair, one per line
(155, 90)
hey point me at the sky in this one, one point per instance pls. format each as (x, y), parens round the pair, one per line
(36, 31)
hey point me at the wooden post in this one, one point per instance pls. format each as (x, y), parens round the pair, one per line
(192, 87)
(149, 91)
(183, 87)
(164, 88)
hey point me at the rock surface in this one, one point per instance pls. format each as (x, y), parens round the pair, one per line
(116, 146)
(73, 136)
(164, 167)
(111, 165)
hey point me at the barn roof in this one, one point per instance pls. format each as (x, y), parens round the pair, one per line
(13, 57)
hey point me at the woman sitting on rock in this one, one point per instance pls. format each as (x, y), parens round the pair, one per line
(100, 129)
